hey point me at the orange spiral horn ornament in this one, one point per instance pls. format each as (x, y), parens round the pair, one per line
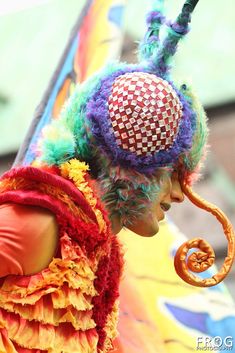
(201, 260)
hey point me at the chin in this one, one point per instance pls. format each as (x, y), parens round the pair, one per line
(145, 231)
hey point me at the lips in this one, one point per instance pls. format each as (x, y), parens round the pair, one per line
(165, 206)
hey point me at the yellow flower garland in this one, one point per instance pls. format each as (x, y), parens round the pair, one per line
(76, 171)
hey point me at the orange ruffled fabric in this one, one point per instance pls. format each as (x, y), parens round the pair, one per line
(53, 311)
(50, 311)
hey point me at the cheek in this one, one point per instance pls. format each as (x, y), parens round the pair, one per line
(167, 187)
(159, 214)
(147, 224)
(154, 210)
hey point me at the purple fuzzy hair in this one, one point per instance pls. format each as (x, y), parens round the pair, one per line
(100, 125)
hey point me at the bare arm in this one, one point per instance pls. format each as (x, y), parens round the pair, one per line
(28, 239)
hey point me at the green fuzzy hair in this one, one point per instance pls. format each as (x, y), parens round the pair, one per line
(151, 42)
(69, 136)
(194, 158)
(65, 137)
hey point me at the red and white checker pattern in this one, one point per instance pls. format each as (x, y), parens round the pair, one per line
(145, 112)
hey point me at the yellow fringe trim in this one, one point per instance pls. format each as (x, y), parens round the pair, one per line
(12, 184)
(65, 296)
(6, 345)
(76, 171)
(77, 274)
(111, 328)
(44, 313)
(34, 335)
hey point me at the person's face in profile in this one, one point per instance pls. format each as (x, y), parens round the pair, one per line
(147, 225)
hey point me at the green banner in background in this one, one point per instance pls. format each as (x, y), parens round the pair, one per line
(31, 43)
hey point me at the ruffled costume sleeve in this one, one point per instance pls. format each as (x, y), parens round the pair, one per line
(71, 305)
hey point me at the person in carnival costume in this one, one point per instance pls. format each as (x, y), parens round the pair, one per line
(127, 145)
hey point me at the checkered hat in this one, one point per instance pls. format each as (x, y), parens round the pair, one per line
(145, 113)
(139, 120)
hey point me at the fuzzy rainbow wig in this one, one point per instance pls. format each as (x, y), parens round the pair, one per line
(128, 121)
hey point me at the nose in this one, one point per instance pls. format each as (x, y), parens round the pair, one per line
(177, 194)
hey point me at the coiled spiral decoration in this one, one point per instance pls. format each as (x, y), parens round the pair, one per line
(203, 259)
